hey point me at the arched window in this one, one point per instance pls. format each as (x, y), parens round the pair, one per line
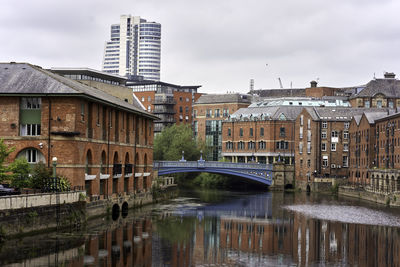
(32, 155)
(103, 162)
(88, 162)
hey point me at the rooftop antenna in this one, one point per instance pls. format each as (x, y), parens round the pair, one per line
(374, 76)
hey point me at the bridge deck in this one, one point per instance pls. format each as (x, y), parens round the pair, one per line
(254, 171)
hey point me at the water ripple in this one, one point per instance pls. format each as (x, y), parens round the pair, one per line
(347, 214)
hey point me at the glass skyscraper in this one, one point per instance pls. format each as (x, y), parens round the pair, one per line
(134, 48)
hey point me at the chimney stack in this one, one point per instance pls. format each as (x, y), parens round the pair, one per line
(313, 84)
(389, 75)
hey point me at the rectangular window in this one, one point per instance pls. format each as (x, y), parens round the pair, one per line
(216, 113)
(323, 134)
(30, 129)
(301, 148)
(30, 116)
(309, 135)
(195, 113)
(345, 135)
(334, 134)
(379, 104)
(323, 146)
(301, 120)
(82, 111)
(208, 113)
(31, 102)
(367, 104)
(308, 147)
(308, 124)
(261, 131)
(324, 124)
(301, 132)
(308, 163)
(333, 146)
(282, 132)
(345, 147)
(325, 162)
(251, 131)
(345, 161)
(346, 125)
(229, 132)
(241, 132)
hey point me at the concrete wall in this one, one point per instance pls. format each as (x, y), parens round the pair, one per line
(38, 200)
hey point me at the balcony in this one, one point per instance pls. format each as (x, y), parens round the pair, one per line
(163, 101)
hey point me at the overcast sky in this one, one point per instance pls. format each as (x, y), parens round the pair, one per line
(219, 44)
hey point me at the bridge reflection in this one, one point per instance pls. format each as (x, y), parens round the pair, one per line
(256, 235)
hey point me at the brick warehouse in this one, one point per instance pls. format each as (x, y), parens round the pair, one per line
(100, 141)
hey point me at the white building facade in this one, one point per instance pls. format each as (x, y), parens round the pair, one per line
(134, 48)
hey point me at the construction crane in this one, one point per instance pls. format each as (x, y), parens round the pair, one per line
(280, 83)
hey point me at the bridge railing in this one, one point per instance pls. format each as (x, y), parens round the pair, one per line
(210, 164)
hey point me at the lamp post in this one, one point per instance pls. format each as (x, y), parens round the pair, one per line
(54, 160)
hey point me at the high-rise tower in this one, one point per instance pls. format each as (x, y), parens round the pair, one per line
(134, 48)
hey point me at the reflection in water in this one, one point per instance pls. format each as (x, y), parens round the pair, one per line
(270, 229)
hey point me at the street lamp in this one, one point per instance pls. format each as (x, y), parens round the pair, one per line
(54, 172)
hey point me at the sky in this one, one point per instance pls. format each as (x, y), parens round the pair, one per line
(219, 44)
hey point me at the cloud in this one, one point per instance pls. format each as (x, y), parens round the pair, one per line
(220, 44)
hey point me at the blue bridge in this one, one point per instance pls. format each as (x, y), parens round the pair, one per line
(261, 173)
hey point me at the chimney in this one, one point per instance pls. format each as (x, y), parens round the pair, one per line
(389, 75)
(313, 84)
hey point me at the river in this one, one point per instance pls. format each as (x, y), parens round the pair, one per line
(220, 228)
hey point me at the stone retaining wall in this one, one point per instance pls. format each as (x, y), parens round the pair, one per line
(382, 198)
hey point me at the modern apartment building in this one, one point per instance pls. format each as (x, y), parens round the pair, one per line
(134, 48)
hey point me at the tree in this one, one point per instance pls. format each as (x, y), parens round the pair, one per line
(169, 144)
(4, 153)
(20, 169)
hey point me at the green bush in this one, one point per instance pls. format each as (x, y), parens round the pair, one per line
(20, 169)
(211, 180)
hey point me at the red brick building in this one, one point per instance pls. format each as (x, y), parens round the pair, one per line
(323, 145)
(100, 141)
(209, 112)
(378, 93)
(171, 103)
(362, 146)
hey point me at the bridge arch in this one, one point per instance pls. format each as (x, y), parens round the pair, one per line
(261, 173)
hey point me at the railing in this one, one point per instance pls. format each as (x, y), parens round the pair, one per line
(210, 164)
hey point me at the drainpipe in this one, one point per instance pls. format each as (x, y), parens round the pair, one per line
(48, 138)
(108, 152)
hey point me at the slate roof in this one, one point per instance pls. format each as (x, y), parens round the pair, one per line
(273, 93)
(267, 113)
(343, 114)
(223, 98)
(27, 79)
(373, 116)
(388, 87)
